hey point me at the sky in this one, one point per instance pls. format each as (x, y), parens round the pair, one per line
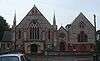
(65, 10)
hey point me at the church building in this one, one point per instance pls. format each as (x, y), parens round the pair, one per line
(36, 35)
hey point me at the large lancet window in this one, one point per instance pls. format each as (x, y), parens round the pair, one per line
(34, 33)
(49, 35)
(19, 34)
(31, 33)
(82, 37)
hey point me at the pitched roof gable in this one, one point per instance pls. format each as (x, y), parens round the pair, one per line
(80, 17)
(34, 13)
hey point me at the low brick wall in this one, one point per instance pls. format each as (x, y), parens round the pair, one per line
(61, 58)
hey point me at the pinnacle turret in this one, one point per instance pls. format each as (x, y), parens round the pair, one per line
(54, 22)
(14, 21)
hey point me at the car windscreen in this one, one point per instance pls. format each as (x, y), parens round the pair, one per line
(9, 58)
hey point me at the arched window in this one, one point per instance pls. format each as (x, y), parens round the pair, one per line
(31, 33)
(82, 24)
(62, 46)
(34, 33)
(19, 34)
(37, 33)
(49, 34)
(82, 37)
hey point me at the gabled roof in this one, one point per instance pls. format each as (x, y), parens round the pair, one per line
(68, 26)
(7, 37)
(34, 11)
(36, 14)
(81, 15)
(62, 28)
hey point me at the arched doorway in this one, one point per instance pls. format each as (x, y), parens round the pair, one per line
(34, 48)
(62, 46)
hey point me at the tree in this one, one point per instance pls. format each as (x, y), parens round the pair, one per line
(3, 26)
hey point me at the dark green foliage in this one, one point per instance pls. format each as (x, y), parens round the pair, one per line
(3, 26)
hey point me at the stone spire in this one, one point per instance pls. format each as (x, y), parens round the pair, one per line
(14, 21)
(54, 22)
(13, 27)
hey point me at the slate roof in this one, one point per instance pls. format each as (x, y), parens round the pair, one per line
(7, 37)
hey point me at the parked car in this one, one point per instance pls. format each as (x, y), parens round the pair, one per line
(13, 57)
